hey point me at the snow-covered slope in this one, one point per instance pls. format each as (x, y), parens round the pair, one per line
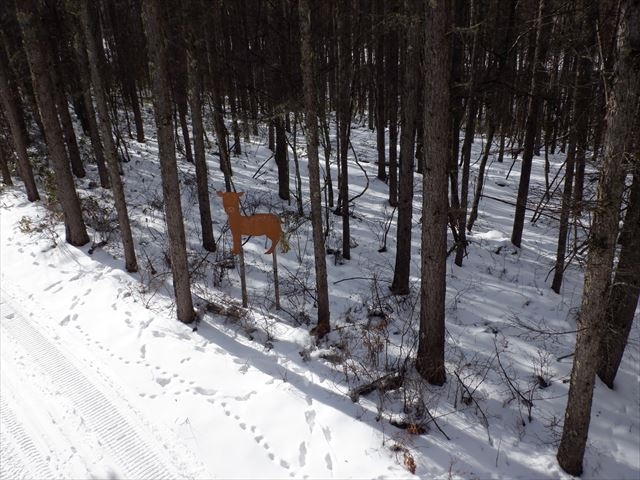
(98, 379)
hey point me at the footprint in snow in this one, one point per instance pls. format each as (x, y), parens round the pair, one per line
(302, 458)
(310, 417)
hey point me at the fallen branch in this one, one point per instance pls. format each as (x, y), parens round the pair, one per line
(390, 381)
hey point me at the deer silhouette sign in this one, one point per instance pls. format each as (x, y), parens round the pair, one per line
(266, 224)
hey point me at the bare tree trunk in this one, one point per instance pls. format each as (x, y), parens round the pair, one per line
(380, 93)
(96, 67)
(344, 118)
(623, 299)
(94, 133)
(481, 172)
(391, 91)
(410, 83)
(40, 64)
(533, 113)
(563, 228)
(437, 126)
(195, 100)
(622, 109)
(310, 101)
(4, 166)
(469, 134)
(155, 29)
(282, 158)
(13, 114)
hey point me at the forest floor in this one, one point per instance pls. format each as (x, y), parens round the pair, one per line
(99, 380)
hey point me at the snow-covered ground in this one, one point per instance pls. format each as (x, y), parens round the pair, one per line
(98, 379)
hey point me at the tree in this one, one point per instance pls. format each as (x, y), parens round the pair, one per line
(8, 95)
(622, 109)
(40, 64)
(409, 109)
(625, 289)
(437, 131)
(540, 40)
(344, 108)
(311, 109)
(91, 117)
(194, 48)
(104, 124)
(156, 32)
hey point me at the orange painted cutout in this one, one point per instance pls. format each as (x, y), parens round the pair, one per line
(259, 224)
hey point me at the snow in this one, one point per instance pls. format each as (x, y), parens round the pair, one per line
(98, 379)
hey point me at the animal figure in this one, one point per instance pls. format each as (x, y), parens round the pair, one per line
(259, 224)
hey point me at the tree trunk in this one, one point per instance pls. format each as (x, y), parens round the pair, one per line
(380, 93)
(621, 110)
(4, 167)
(344, 119)
(481, 172)
(310, 101)
(155, 29)
(391, 91)
(623, 298)
(94, 133)
(41, 64)
(96, 67)
(195, 101)
(13, 114)
(282, 158)
(62, 106)
(533, 112)
(410, 84)
(563, 228)
(437, 126)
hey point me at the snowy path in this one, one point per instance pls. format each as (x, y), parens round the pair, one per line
(114, 433)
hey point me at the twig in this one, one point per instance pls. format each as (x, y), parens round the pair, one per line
(265, 162)
(436, 424)
(352, 278)
(514, 389)
(484, 417)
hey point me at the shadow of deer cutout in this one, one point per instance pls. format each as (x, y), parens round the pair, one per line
(267, 224)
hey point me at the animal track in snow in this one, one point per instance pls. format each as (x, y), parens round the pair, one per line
(54, 284)
(244, 398)
(310, 417)
(327, 458)
(302, 458)
(257, 436)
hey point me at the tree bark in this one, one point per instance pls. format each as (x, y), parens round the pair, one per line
(437, 126)
(13, 114)
(621, 110)
(40, 64)
(311, 108)
(155, 29)
(94, 133)
(4, 167)
(194, 46)
(409, 109)
(96, 67)
(282, 158)
(344, 118)
(625, 290)
(380, 93)
(391, 92)
(533, 113)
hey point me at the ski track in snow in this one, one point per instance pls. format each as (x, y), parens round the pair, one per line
(120, 431)
(20, 457)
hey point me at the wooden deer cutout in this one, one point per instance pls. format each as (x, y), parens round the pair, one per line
(266, 224)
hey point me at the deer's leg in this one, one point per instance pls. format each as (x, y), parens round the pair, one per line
(274, 241)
